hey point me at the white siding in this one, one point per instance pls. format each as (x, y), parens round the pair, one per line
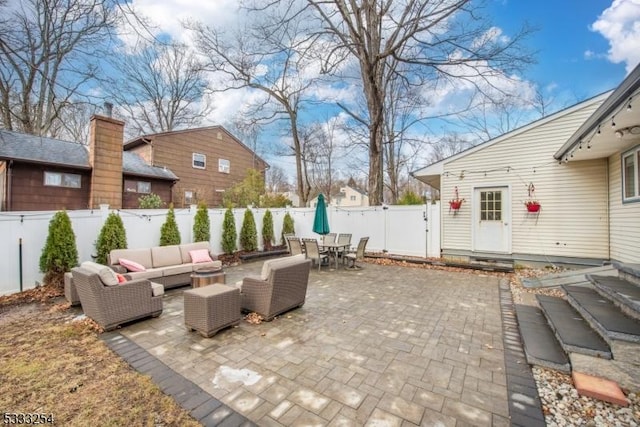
(573, 219)
(624, 218)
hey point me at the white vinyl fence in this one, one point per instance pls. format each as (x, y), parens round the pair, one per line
(402, 230)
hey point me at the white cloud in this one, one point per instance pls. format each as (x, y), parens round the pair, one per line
(620, 25)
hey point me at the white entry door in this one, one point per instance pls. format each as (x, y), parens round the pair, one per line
(492, 217)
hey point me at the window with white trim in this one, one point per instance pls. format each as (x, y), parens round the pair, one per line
(631, 175)
(199, 161)
(60, 179)
(224, 166)
(133, 186)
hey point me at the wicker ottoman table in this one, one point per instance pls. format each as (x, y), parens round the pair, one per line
(211, 308)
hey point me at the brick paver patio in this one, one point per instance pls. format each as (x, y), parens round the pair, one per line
(386, 345)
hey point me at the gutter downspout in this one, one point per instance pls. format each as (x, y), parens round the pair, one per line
(9, 185)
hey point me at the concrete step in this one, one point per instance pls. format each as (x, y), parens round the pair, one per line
(570, 277)
(540, 344)
(571, 329)
(603, 315)
(624, 294)
(630, 272)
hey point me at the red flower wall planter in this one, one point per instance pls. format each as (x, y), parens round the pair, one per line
(532, 207)
(455, 204)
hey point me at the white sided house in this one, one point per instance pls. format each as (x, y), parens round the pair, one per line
(582, 165)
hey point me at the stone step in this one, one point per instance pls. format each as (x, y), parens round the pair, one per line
(624, 294)
(570, 277)
(571, 329)
(630, 272)
(603, 315)
(540, 344)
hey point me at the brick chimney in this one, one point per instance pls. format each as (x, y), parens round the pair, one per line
(105, 158)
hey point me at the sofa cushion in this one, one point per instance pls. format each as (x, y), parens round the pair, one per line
(156, 289)
(279, 262)
(200, 255)
(149, 274)
(131, 265)
(177, 269)
(188, 247)
(141, 256)
(107, 275)
(163, 256)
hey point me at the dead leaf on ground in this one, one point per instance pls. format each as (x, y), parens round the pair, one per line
(254, 318)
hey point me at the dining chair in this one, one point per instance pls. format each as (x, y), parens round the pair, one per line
(313, 252)
(295, 247)
(343, 239)
(329, 238)
(285, 237)
(358, 255)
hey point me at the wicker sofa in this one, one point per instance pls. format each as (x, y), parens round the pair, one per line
(282, 286)
(112, 305)
(170, 266)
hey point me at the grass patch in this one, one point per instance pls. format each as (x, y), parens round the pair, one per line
(53, 364)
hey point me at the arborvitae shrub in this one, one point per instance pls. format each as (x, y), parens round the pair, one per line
(112, 236)
(169, 233)
(201, 225)
(287, 226)
(267, 230)
(229, 234)
(248, 232)
(59, 253)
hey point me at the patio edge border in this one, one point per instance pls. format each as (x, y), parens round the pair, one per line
(525, 408)
(203, 407)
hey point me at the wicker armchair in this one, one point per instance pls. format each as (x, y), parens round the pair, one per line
(282, 287)
(111, 306)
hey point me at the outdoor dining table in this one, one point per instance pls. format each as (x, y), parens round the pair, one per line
(334, 249)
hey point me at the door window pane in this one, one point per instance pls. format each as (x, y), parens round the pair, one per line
(628, 176)
(490, 205)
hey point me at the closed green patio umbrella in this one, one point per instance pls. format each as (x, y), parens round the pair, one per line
(321, 222)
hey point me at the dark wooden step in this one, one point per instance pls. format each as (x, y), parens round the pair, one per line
(540, 344)
(603, 315)
(622, 293)
(571, 329)
(627, 271)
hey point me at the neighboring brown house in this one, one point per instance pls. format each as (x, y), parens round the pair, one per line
(208, 161)
(38, 173)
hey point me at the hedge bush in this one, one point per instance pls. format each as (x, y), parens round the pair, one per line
(112, 236)
(267, 230)
(169, 233)
(229, 234)
(201, 224)
(59, 253)
(248, 232)
(287, 226)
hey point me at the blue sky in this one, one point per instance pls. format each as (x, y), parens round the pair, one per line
(564, 36)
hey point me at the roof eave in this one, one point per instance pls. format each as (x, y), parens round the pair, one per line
(622, 93)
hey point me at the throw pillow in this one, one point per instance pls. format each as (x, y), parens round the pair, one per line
(131, 265)
(108, 277)
(200, 255)
(121, 278)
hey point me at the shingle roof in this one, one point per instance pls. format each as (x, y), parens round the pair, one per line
(133, 164)
(38, 149)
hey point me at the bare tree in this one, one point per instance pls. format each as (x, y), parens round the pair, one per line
(48, 53)
(277, 181)
(271, 54)
(321, 154)
(74, 122)
(159, 88)
(437, 39)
